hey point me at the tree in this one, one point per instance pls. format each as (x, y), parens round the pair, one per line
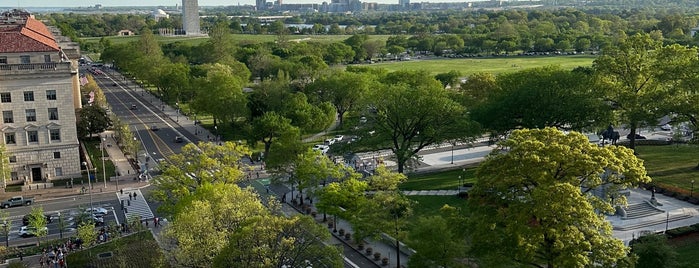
(87, 233)
(220, 93)
(278, 241)
(205, 221)
(5, 170)
(432, 118)
(629, 76)
(450, 78)
(5, 226)
(542, 97)
(92, 120)
(37, 222)
(336, 198)
(312, 167)
(438, 240)
(533, 201)
(343, 89)
(653, 251)
(270, 127)
(196, 166)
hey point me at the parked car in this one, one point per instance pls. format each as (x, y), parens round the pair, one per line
(338, 138)
(154, 128)
(178, 139)
(322, 148)
(638, 137)
(17, 201)
(362, 119)
(27, 231)
(666, 127)
(97, 211)
(329, 142)
(133, 107)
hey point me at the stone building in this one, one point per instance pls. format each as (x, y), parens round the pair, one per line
(190, 17)
(39, 94)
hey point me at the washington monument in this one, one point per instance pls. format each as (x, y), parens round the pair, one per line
(190, 17)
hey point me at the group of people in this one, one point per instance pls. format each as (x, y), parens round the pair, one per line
(55, 257)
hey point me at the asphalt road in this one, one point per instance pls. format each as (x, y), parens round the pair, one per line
(69, 208)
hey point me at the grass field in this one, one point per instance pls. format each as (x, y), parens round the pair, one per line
(137, 250)
(672, 164)
(429, 205)
(447, 180)
(488, 65)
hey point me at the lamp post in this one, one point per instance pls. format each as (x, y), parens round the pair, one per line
(460, 184)
(60, 225)
(177, 112)
(452, 154)
(691, 194)
(89, 184)
(104, 173)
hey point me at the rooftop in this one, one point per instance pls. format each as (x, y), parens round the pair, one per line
(20, 32)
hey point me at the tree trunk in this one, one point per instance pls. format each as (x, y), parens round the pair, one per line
(632, 141)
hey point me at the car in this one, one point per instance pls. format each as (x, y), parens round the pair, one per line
(25, 219)
(178, 139)
(94, 220)
(338, 138)
(97, 211)
(329, 142)
(638, 137)
(115, 84)
(362, 119)
(27, 231)
(666, 127)
(154, 128)
(321, 147)
(133, 107)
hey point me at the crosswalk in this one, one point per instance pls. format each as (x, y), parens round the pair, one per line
(135, 205)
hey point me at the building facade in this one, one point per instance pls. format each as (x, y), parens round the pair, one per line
(39, 94)
(190, 17)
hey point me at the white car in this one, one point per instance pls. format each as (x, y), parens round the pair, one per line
(97, 211)
(666, 127)
(26, 231)
(329, 142)
(338, 138)
(321, 147)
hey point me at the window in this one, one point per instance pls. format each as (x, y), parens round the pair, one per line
(7, 117)
(14, 176)
(47, 58)
(31, 115)
(56, 155)
(53, 113)
(59, 171)
(5, 97)
(51, 95)
(10, 138)
(3, 60)
(29, 96)
(55, 134)
(33, 136)
(13, 159)
(25, 59)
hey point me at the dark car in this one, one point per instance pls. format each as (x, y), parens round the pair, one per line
(638, 137)
(133, 106)
(154, 128)
(25, 219)
(178, 139)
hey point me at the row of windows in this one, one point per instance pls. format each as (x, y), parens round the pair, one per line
(25, 59)
(56, 155)
(33, 136)
(6, 97)
(30, 114)
(58, 171)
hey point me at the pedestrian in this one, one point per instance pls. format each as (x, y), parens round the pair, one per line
(155, 221)
(267, 188)
(121, 191)
(258, 174)
(134, 195)
(21, 257)
(130, 196)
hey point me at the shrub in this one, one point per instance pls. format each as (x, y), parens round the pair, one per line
(369, 250)
(680, 231)
(377, 256)
(462, 195)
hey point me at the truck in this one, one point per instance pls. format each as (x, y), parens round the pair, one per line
(16, 201)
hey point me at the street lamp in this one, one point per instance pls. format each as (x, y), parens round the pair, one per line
(89, 184)
(691, 194)
(104, 173)
(60, 225)
(460, 184)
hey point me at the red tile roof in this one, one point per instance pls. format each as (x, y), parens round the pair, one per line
(29, 36)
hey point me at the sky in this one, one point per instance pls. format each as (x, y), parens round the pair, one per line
(87, 3)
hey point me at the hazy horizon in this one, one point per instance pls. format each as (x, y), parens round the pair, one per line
(121, 3)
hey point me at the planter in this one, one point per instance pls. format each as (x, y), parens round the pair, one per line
(377, 256)
(330, 224)
(313, 214)
(348, 236)
(360, 246)
(369, 250)
(384, 261)
(342, 232)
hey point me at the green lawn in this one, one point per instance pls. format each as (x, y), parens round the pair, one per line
(489, 65)
(671, 164)
(137, 250)
(429, 205)
(93, 148)
(445, 180)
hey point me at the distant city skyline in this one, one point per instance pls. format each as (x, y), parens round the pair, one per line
(107, 3)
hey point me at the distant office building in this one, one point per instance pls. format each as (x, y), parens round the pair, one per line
(261, 4)
(190, 17)
(39, 93)
(404, 3)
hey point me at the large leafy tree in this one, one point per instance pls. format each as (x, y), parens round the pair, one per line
(220, 93)
(37, 221)
(277, 241)
(653, 251)
(196, 166)
(413, 110)
(343, 89)
(533, 202)
(632, 76)
(270, 127)
(439, 240)
(92, 120)
(205, 221)
(543, 97)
